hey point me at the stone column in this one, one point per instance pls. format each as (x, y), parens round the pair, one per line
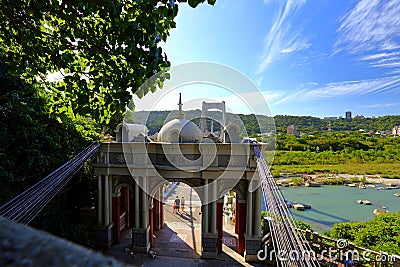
(237, 215)
(214, 208)
(257, 211)
(110, 212)
(128, 209)
(106, 201)
(104, 230)
(205, 217)
(137, 203)
(162, 208)
(249, 217)
(152, 223)
(144, 205)
(99, 201)
(252, 237)
(209, 235)
(141, 231)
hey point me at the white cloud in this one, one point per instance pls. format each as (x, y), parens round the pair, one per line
(379, 56)
(387, 64)
(379, 105)
(372, 24)
(312, 83)
(389, 45)
(267, 2)
(362, 87)
(281, 39)
(259, 81)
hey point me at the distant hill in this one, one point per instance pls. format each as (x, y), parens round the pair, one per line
(306, 124)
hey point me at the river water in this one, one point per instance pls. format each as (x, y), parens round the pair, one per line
(332, 204)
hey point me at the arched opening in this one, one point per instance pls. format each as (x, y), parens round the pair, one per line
(122, 215)
(229, 236)
(231, 224)
(181, 232)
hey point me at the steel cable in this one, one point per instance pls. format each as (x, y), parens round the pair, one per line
(27, 205)
(285, 237)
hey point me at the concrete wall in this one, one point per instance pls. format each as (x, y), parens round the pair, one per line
(23, 246)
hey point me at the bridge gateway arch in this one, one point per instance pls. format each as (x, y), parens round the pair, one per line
(133, 170)
(132, 173)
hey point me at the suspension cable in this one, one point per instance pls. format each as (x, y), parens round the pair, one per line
(27, 205)
(290, 245)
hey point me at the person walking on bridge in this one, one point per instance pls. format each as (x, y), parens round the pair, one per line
(177, 204)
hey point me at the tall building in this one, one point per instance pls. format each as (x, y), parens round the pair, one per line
(348, 115)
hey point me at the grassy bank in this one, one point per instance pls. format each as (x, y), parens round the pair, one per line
(371, 162)
(385, 170)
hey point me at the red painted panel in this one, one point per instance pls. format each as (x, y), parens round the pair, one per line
(116, 220)
(220, 210)
(241, 221)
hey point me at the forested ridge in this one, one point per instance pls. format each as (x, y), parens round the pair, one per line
(256, 124)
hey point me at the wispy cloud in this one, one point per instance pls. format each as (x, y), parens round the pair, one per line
(372, 26)
(379, 105)
(389, 45)
(330, 90)
(259, 81)
(379, 56)
(281, 38)
(267, 2)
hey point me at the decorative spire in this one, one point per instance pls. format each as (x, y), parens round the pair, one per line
(180, 114)
(180, 104)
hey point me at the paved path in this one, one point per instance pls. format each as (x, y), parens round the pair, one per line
(179, 242)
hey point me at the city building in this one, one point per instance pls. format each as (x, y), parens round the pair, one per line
(330, 118)
(348, 115)
(396, 130)
(291, 129)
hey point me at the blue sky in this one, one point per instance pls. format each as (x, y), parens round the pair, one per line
(308, 57)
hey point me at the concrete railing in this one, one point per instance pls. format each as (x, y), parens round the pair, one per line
(21, 245)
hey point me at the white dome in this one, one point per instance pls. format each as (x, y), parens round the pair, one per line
(180, 130)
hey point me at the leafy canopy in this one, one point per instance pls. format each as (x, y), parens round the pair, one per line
(379, 234)
(101, 48)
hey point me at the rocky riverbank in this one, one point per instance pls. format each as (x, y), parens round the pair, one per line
(338, 179)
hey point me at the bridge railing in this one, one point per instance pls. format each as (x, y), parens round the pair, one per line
(337, 250)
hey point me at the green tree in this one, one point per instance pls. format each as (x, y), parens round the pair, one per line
(103, 49)
(379, 234)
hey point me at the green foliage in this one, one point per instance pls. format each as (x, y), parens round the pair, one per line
(316, 135)
(351, 153)
(307, 124)
(80, 234)
(33, 145)
(304, 226)
(296, 181)
(103, 49)
(379, 234)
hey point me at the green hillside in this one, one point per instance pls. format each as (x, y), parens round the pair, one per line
(255, 124)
